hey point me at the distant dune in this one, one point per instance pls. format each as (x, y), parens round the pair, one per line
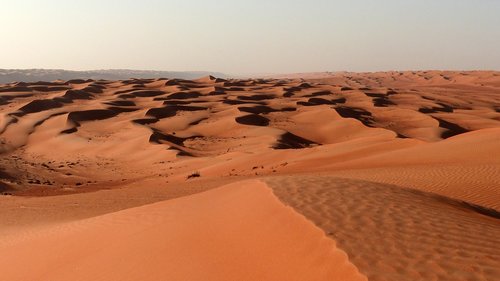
(385, 176)
(34, 75)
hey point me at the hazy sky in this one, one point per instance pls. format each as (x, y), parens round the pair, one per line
(259, 36)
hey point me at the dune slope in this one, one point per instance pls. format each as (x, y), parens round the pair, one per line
(216, 235)
(393, 233)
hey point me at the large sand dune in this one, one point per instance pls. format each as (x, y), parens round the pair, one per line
(400, 169)
(218, 235)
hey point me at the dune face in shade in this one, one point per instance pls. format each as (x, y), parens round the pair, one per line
(396, 174)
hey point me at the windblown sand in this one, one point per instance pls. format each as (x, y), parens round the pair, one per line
(324, 176)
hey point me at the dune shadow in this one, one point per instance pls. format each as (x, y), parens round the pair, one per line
(37, 106)
(256, 97)
(171, 110)
(121, 103)
(291, 141)
(183, 95)
(252, 120)
(91, 115)
(264, 109)
(442, 108)
(452, 129)
(357, 113)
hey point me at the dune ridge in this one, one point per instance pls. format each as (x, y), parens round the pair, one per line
(204, 237)
(406, 234)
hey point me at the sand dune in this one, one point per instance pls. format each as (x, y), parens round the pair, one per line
(393, 233)
(217, 235)
(406, 162)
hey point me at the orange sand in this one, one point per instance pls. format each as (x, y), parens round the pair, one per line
(400, 169)
(217, 235)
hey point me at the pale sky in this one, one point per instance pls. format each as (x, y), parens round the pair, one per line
(243, 37)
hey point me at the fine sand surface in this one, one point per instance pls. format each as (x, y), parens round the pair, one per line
(399, 170)
(394, 233)
(217, 235)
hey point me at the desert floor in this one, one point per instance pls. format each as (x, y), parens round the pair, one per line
(315, 176)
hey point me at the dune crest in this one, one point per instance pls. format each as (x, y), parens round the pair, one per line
(398, 234)
(216, 235)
